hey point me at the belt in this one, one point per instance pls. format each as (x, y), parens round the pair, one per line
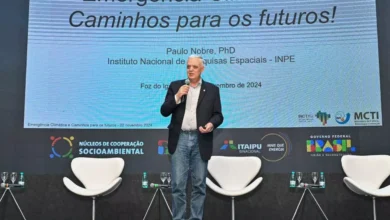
(189, 131)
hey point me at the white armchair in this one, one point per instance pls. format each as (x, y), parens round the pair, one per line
(233, 174)
(100, 176)
(365, 174)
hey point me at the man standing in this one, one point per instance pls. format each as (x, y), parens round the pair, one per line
(195, 106)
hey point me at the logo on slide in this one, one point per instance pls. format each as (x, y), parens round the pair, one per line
(342, 118)
(60, 143)
(228, 143)
(323, 117)
(162, 148)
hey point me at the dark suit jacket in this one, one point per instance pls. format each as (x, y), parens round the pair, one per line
(208, 110)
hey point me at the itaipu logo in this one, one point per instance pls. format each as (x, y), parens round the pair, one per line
(272, 147)
(162, 148)
(323, 117)
(342, 118)
(228, 144)
(61, 142)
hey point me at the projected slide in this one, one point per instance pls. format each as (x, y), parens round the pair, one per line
(107, 64)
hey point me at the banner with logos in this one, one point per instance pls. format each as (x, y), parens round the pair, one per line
(281, 150)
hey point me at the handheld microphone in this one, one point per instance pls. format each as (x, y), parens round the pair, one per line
(183, 98)
(155, 185)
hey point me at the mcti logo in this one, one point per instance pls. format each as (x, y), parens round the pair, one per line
(323, 117)
(57, 143)
(162, 148)
(228, 143)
